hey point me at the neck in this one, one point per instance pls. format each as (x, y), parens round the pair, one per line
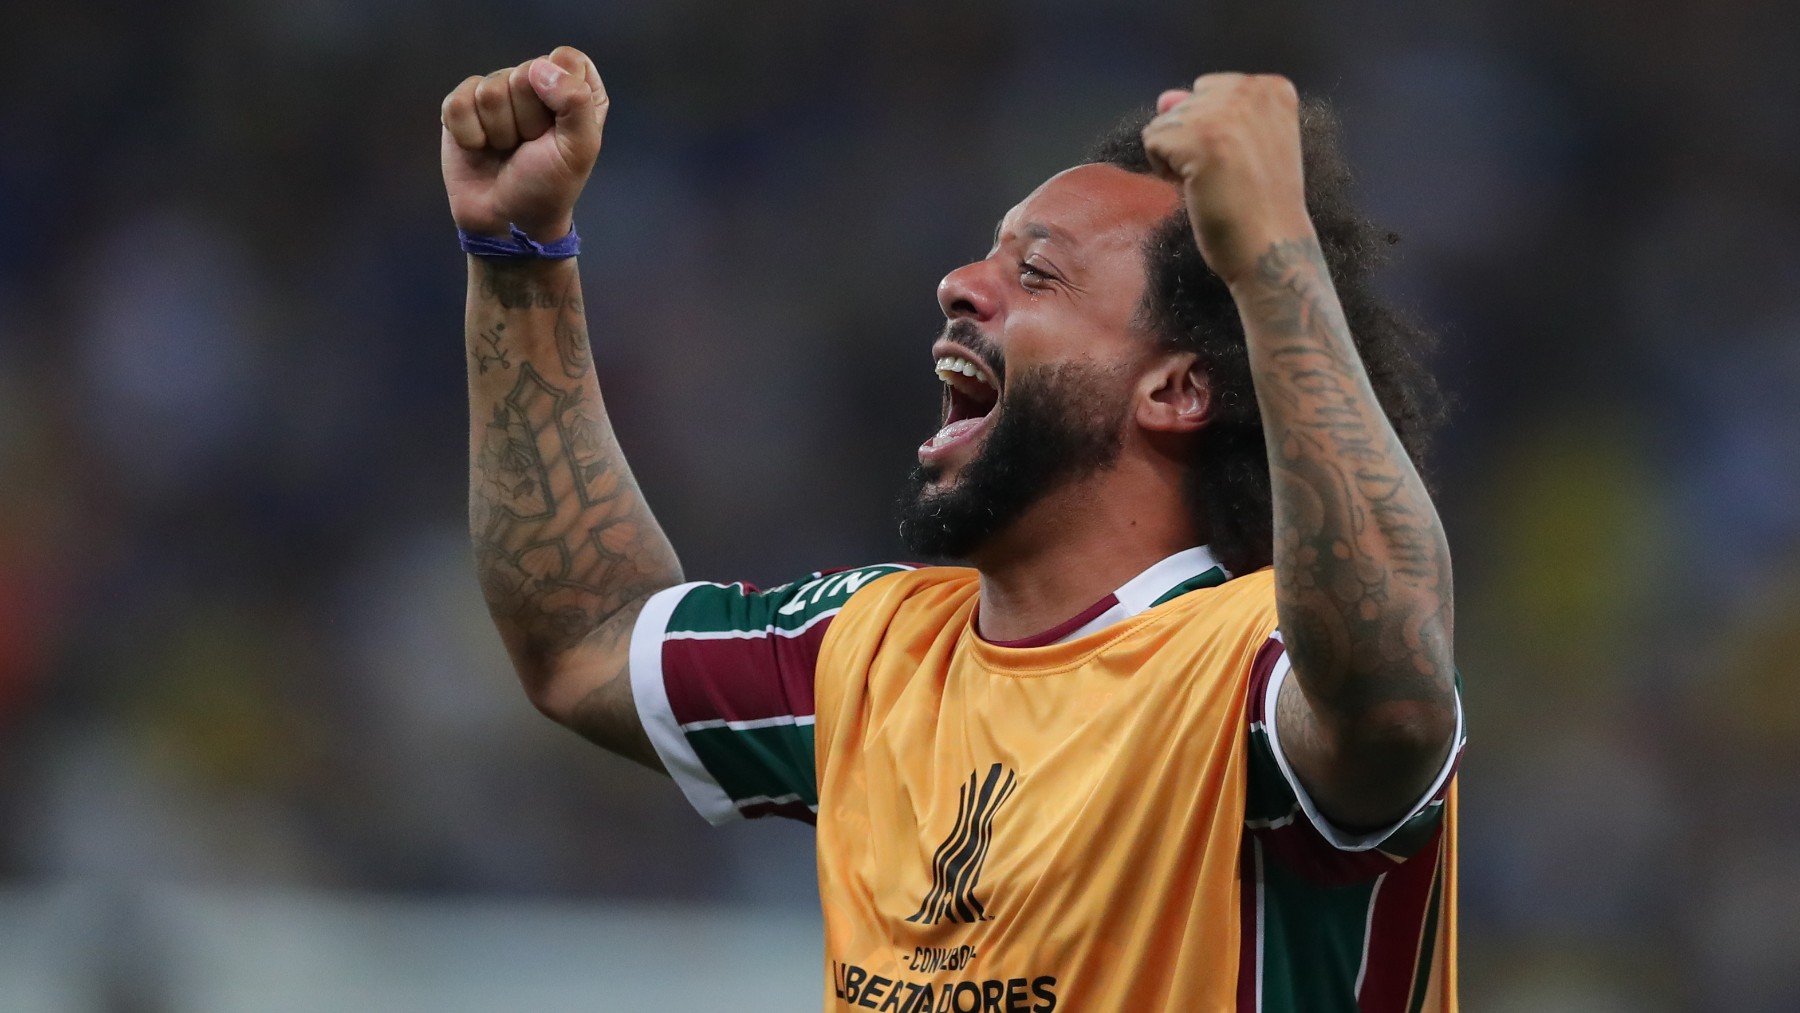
(1075, 547)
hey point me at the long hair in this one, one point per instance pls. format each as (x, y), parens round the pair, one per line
(1189, 308)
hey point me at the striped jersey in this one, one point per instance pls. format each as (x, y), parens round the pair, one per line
(1097, 818)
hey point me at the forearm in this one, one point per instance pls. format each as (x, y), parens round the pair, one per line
(564, 541)
(1362, 569)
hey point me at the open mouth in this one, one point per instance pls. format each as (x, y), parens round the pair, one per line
(969, 399)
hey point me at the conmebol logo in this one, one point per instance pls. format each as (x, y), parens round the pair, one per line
(956, 868)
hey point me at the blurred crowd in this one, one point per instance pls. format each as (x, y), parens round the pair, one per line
(240, 639)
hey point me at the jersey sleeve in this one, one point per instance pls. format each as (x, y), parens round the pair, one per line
(1280, 813)
(722, 677)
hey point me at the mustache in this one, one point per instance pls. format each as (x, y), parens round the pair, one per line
(966, 334)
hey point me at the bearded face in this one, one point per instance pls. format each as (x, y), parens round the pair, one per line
(1043, 348)
(1055, 424)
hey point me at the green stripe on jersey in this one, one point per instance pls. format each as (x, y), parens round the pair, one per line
(1312, 942)
(1209, 578)
(1268, 795)
(729, 608)
(1427, 942)
(767, 762)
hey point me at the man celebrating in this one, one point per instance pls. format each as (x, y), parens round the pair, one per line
(1182, 734)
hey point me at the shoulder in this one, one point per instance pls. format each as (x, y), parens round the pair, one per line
(914, 582)
(910, 595)
(832, 589)
(1242, 604)
(1253, 592)
(704, 607)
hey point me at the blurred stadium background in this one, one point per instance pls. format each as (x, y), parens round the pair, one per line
(258, 745)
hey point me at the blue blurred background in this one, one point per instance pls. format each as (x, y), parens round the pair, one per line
(259, 748)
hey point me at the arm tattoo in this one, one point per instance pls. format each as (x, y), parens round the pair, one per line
(510, 288)
(488, 350)
(563, 539)
(607, 714)
(571, 333)
(1362, 570)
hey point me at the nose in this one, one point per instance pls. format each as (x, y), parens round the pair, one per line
(968, 292)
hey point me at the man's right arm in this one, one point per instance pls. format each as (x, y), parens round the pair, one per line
(566, 547)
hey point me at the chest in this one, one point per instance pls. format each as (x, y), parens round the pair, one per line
(962, 806)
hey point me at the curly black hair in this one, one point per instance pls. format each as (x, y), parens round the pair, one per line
(1189, 308)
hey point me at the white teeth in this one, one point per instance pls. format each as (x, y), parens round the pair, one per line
(958, 364)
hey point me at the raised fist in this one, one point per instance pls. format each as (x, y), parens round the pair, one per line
(1233, 145)
(519, 143)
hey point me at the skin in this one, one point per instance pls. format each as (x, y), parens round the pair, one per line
(1362, 568)
(1063, 282)
(568, 550)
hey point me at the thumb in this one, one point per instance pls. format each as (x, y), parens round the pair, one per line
(578, 105)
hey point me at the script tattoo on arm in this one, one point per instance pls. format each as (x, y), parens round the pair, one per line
(1362, 568)
(565, 546)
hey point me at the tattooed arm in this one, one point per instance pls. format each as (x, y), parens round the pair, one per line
(566, 548)
(1362, 570)
(565, 545)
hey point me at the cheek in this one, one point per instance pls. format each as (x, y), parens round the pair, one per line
(1051, 331)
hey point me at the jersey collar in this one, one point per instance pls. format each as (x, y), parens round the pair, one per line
(1165, 580)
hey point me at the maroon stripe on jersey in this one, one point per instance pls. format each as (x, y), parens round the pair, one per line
(791, 810)
(1062, 629)
(1394, 931)
(728, 678)
(1249, 928)
(1304, 851)
(1261, 667)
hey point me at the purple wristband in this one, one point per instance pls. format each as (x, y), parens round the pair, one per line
(520, 246)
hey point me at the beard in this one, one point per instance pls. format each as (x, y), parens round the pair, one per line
(1057, 425)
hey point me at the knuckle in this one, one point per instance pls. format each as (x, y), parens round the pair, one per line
(461, 96)
(489, 96)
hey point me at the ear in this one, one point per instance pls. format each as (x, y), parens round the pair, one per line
(1174, 396)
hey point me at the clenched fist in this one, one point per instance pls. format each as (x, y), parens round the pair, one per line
(1232, 143)
(519, 143)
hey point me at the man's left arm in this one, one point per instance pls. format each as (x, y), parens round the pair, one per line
(1362, 569)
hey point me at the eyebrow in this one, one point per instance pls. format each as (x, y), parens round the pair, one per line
(1039, 230)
